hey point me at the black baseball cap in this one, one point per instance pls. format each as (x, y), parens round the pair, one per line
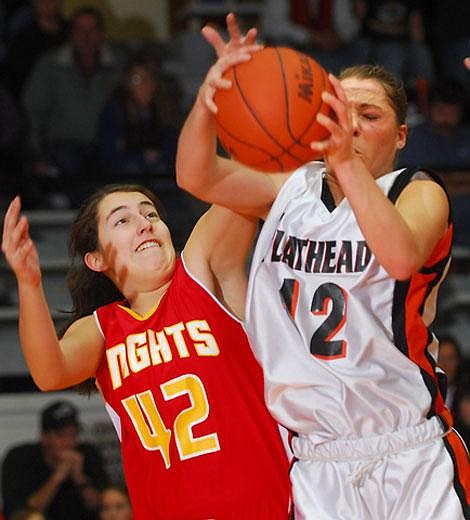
(58, 415)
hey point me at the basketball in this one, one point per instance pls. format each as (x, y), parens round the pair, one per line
(267, 119)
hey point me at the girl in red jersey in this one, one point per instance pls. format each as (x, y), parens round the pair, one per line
(162, 336)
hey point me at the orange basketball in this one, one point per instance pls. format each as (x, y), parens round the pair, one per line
(267, 119)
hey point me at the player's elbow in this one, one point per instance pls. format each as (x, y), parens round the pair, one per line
(49, 383)
(403, 270)
(193, 184)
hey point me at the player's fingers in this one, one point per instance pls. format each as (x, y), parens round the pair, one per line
(339, 107)
(320, 146)
(208, 99)
(327, 122)
(214, 38)
(233, 58)
(251, 35)
(467, 62)
(338, 88)
(10, 221)
(233, 28)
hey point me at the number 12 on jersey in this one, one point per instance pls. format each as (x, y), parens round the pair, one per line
(322, 343)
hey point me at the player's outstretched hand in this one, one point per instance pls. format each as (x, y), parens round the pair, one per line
(236, 41)
(466, 62)
(214, 79)
(17, 246)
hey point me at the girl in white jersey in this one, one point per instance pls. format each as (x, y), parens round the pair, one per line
(342, 293)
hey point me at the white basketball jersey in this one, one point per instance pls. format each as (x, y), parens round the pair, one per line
(346, 350)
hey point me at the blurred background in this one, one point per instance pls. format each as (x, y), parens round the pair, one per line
(95, 92)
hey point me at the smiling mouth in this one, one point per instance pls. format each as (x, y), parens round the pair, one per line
(147, 245)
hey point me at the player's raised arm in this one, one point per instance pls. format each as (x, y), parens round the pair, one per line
(51, 366)
(198, 168)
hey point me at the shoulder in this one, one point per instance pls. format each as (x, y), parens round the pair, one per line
(23, 451)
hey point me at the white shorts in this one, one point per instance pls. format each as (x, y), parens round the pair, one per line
(405, 475)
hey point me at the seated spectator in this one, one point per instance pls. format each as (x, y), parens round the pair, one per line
(63, 98)
(27, 514)
(115, 504)
(441, 140)
(138, 128)
(329, 31)
(398, 39)
(47, 30)
(58, 475)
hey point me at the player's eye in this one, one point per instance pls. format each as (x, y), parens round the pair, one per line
(152, 216)
(120, 221)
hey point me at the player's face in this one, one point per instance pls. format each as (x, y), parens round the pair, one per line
(115, 506)
(135, 244)
(377, 136)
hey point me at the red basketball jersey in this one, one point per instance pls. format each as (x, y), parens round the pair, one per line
(186, 396)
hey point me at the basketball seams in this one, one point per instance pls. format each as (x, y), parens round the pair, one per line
(269, 157)
(271, 129)
(283, 149)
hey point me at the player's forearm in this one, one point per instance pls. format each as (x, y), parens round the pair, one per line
(196, 158)
(38, 337)
(386, 232)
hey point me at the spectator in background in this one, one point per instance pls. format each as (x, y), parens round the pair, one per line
(137, 138)
(63, 99)
(442, 140)
(48, 29)
(328, 31)
(115, 504)
(138, 128)
(449, 29)
(450, 360)
(58, 475)
(396, 31)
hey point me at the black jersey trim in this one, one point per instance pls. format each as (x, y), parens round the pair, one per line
(326, 196)
(459, 489)
(406, 176)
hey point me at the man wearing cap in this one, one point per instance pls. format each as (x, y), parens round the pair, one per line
(57, 475)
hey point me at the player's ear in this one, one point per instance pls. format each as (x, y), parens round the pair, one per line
(95, 262)
(401, 136)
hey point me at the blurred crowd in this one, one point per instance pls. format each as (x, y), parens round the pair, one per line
(78, 110)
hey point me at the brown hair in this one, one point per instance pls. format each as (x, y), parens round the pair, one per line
(394, 87)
